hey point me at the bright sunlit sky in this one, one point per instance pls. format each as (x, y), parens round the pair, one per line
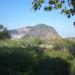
(19, 13)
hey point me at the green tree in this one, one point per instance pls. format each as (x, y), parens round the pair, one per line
(4, 33)
(67, 7)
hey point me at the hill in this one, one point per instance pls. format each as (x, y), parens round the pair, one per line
(70, 38)
(42, 31)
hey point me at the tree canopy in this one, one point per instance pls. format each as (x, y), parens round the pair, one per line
(67, 7)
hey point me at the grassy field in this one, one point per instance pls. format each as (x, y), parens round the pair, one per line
(26, 57)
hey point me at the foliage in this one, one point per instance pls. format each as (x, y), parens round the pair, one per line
(67, 6)
(26, 61)
(4, 32)
(23, 57)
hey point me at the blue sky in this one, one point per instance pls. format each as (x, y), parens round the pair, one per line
(19, 13)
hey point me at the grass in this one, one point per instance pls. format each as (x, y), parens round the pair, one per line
(25, 57)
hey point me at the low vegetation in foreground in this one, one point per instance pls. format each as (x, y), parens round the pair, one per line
(37, 57)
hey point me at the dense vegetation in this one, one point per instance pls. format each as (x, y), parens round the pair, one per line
(37, 57)
(4, 33)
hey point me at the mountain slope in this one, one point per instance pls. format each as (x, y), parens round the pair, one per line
(19, 32)
(42, 31)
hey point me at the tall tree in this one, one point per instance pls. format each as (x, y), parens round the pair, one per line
(4, 33)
